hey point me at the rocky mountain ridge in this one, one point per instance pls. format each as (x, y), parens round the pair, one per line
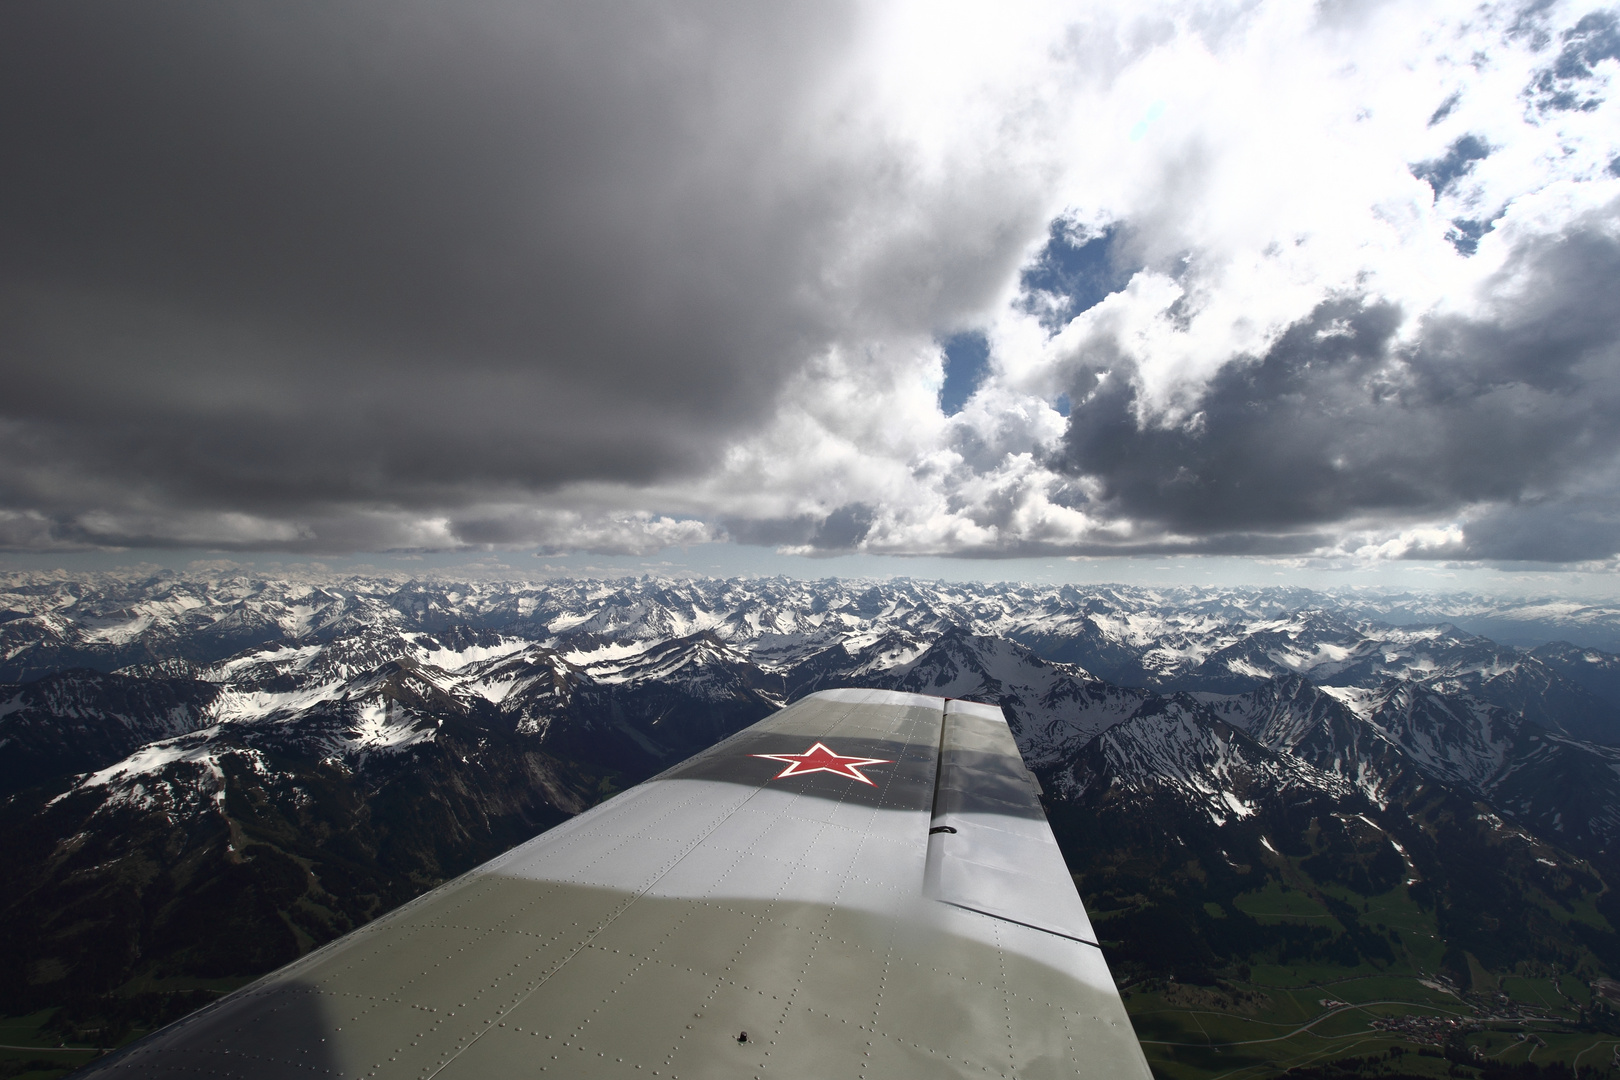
(1161, 638)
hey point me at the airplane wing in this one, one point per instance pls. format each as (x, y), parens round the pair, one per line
(862, 885)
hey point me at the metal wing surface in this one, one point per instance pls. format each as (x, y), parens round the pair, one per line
(863, 883)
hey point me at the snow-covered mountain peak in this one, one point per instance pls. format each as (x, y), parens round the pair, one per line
(1177, 747)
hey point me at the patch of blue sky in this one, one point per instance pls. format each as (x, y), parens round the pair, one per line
(1458, 162)
(1075, 271)
(1465, 234)
(967, 362)
(1446, 108)
(1571, 83)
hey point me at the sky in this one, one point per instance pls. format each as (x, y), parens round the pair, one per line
(1133, 289)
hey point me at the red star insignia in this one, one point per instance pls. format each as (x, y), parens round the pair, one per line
(820, 759)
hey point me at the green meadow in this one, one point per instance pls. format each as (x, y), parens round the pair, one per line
(1416, 940)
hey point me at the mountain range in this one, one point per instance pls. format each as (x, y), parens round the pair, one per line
(205, 776)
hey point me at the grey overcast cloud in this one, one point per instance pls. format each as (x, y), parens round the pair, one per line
(1337, 284)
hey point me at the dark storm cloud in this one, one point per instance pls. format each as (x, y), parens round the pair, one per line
(835, 533)
(323, 262)
(844, 528)
(1339, 423)
(280, 254)
(1586, 527)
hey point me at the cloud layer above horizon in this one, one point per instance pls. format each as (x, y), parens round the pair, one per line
(1333, 281)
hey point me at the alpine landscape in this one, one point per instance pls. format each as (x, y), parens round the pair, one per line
(423, 423)
(1339, 833)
